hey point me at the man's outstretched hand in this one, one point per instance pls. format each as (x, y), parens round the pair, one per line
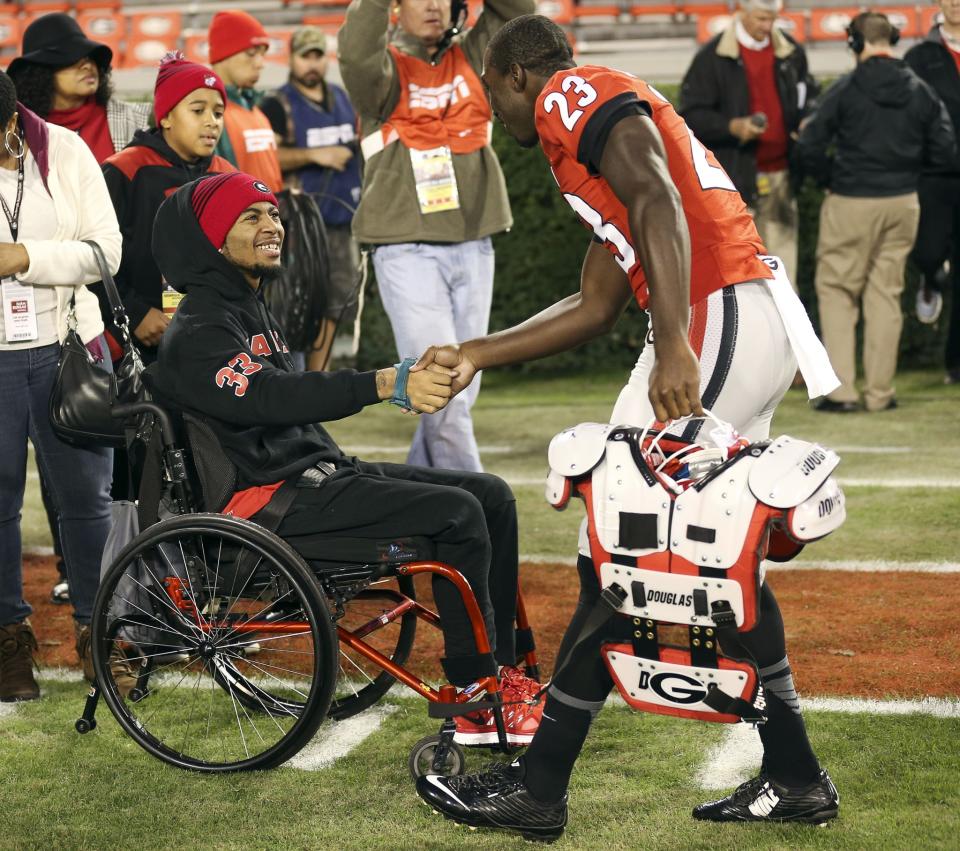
(675, 382)
(429, 389)
(451, 357)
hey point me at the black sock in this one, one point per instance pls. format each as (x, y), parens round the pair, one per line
(787, 755)
(554, 750)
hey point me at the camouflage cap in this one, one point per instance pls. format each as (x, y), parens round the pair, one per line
(306, 39)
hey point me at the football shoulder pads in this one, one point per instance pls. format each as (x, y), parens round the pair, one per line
(790, 471)
(578, 450)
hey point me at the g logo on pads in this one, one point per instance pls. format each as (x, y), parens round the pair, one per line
(686, 692)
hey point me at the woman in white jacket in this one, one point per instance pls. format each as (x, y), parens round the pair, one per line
(53, 196)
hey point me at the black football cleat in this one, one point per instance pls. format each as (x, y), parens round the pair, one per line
(495, 798)
(763, 799)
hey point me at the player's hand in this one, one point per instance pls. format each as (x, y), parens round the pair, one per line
(451, 357)
(675, 382)
(744, 129)
(429, 389)
(332, 156)
(151, 327)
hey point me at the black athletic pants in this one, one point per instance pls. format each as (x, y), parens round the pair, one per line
(584, 684)
(938, 239)
(471, 519)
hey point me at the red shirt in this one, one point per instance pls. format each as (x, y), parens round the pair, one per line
(954, 53)
(571, 113)
(762, 84)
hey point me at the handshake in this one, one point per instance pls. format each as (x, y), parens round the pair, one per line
(439, 375)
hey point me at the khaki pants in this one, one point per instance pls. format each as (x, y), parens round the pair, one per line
(775, 215)
(861, 256)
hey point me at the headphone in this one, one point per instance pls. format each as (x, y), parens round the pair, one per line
(458, 20)
(855, 39)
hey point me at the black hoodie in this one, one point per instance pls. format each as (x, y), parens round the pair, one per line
(223, 357)
(139, 178)
(888, 126)
(932, 62)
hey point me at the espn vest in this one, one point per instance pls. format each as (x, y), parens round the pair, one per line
(254, 145)
(441, 104)
(337, 192)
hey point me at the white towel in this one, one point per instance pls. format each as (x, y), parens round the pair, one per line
(812, 357)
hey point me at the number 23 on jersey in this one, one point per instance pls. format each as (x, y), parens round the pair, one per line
(584, 95)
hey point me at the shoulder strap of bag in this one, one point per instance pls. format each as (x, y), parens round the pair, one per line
(113, 295)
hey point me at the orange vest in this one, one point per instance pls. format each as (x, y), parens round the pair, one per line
(254, 144)
(441, 104)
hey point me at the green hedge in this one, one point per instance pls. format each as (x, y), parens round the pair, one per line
(539, 260)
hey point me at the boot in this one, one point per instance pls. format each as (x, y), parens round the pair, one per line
(120, 668)
(17, 646)
(84, 650)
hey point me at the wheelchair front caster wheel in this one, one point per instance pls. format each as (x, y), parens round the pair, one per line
(423, 754)
(82, 725)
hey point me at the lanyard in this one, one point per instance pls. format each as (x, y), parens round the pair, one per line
(13, 219)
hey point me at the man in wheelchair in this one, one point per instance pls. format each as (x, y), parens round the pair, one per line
(223, 360)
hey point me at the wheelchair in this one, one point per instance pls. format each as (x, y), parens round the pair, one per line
(219, 648)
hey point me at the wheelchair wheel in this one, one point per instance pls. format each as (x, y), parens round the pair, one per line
(173, 620)
(424, 752)
(360, 682)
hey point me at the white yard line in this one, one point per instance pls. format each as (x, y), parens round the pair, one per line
(374, 449)
(844, 566)
(871, 450)
(870, 566)
(737, 757)
(539, 481)
(336, 739)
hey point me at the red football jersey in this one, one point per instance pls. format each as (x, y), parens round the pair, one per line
(723, 238)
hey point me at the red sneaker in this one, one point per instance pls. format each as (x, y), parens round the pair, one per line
(476, 729)
(521, 718)
(512, 679)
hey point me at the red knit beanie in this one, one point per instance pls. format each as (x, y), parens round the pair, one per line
(234, 31)
(218, 202)
(177, 78)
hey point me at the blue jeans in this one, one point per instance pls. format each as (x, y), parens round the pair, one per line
(439, 294)
(78, 479)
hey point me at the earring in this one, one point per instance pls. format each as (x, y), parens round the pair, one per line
(6, 143)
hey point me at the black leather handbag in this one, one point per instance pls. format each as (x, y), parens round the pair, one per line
(83, 393)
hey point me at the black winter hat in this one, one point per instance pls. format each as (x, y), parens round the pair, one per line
(57, 41)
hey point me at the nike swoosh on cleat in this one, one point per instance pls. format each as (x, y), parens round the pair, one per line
(434, 780)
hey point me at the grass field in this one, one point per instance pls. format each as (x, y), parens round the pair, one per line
(896, 764)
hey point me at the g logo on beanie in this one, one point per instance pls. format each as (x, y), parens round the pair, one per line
(219, 200)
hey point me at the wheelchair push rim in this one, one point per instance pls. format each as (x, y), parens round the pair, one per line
(226, 639)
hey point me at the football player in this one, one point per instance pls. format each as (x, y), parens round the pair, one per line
(727, 333)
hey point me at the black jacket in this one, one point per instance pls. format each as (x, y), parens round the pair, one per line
(139, 178)
(886, 125)
(223, 357)
(715, 90)
(932, 62)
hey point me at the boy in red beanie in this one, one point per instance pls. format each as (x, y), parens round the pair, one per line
(189, 102)
(238, 43)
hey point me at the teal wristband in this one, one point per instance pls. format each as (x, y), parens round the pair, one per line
(400, 397)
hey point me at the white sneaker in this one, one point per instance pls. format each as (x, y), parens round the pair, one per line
(929, 305)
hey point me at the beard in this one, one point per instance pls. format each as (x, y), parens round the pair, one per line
(265, 272)
(310, 80)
